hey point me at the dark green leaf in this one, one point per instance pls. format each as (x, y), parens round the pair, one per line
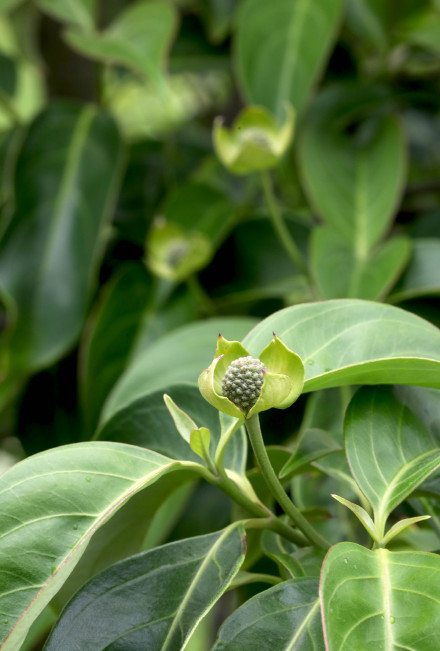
(286, 616)
(158, 597)
(313, 445)
(62, 205)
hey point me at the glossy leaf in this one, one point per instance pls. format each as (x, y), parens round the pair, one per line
(358, 345)
(389, 450)
(139, 38)
(286, 616)
(355, 184)
(422, 277)
(286, 66)
(62, 206)
(147, 423)
(340, 273)
(380, 600)
(159, 596)
(178, 357)
(80, 13)
(52, 503)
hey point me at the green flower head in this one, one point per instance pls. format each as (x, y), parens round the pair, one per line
(255, 141)
(240, 385)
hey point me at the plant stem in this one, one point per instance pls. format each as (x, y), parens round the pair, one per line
(261, 512)
(280, 225)
(254, 431)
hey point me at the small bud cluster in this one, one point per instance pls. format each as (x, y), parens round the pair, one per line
(243, 381)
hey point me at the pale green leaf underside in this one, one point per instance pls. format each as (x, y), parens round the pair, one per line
(51, 504)
(168, 589)
(355, 342)
(380, 600)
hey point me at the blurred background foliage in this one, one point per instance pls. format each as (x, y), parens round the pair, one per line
(125, 244)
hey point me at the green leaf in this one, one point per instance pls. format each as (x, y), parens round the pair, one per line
(422, 277)
(139, 38)
(62, 206)
(113, 325)
(422, 29)
(199, 441)
(340, 273)
(354, 182)
(281, 552)
(147, 423)
(313, 445)
(7, 5)
(80, 13)
(52, 503)
(197, 207)
(129, 315)
(168, 589)
(389, 450)
(177, 357)
(355, 342)
(380, 600)
(400, 526)
(274, 70)
(362, 516)
(184, 424)
(286, 616)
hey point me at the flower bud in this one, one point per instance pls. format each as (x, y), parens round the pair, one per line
(240, 385)
(173, 253)
(254, 142)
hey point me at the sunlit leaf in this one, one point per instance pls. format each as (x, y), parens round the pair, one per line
(355, 342)
(380, 599)
(52, 503)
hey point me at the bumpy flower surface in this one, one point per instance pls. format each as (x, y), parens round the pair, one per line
(243, 381)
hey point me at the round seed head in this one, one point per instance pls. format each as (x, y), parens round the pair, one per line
(243, 381)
